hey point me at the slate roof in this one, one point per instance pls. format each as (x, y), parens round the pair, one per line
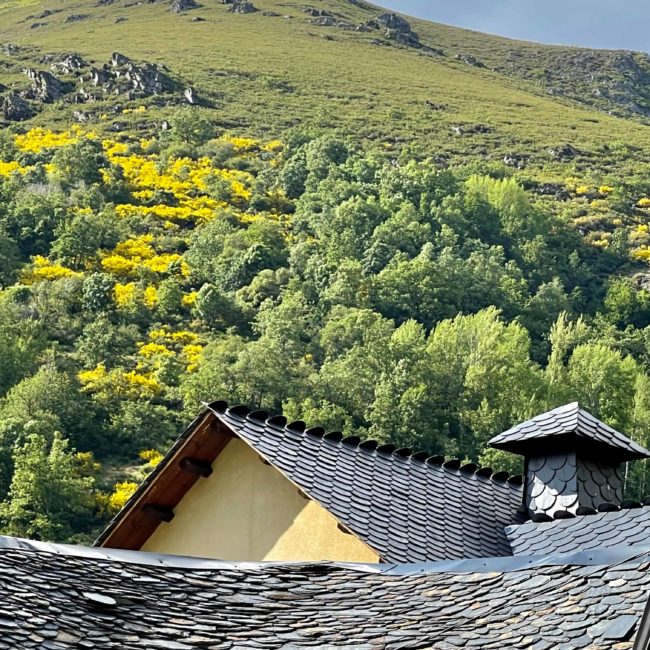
(568, 420)
(59, 598)
(409, 508)
(627, 527)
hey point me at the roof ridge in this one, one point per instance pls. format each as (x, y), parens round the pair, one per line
(501, 564)
(299, 427)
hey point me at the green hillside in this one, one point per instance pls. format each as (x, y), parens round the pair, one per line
(395, 228)
(266, 73)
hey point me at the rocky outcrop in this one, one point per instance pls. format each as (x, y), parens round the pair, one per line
(471, 129)
(75, 18)
(563, 153)
(242, 8)
(117, 60)
(179, 6)
(69, 64)
(312, 11)
(14, 108)
(557, 191)
(76, 81)
(516, 160)
(468, 59)
(45, 86)
(614, 81)
(393, 22)
(190, 96)
(124, 77)
(398, 29)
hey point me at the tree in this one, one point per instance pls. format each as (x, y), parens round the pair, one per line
(83, 237)
(22, 338)
(9, 259)
(48, 396)
(626, 305)
(603, 381)
(402, 406)
(217, 309)
(190, 126)
(484, 380)
(79, 163)
(50, 497)
(97, 292)
(519, 219)
(32, 218)
(541, 311)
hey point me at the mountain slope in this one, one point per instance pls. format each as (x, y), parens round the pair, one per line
(394, 230)
(284, 66)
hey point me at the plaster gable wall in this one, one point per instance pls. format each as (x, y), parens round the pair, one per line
(248, 511)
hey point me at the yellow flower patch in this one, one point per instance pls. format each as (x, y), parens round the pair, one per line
(43, 269)
(38, 139)
(9, 168)
(124, 294)
(154, 350)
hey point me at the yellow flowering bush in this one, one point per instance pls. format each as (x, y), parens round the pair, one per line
(92, 378)
(165, 343)
(122, 492)
(644, 203)
(154, 350)
(137, 248)
(119, 383)
(192, 354)
(118, 265)
(151, 296)
(43, 269)
(185, 337)
(9, 168)
(124, 294)
(642, 254)
(37, 139)
(145, 383)
(151, 456)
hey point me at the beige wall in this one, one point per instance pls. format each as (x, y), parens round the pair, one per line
(248, 511)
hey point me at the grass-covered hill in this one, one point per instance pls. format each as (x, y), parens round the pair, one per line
(332, 65)
(373, 223)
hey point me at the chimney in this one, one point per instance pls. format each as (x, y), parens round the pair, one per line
(571, 460)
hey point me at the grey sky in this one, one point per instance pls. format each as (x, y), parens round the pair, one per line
(593, 23)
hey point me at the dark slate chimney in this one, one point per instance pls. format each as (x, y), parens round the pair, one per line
(571, 459)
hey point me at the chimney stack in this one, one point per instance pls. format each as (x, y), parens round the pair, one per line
(571, 460)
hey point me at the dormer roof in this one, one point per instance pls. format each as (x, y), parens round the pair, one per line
(568, 428)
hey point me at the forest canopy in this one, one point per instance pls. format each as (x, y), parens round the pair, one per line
(385, 297)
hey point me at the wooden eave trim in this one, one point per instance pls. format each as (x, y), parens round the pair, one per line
(170, 483)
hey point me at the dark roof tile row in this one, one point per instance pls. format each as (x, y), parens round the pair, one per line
(63, 598)
(616, 528)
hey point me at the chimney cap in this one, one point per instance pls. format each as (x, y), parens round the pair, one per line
(572, 428)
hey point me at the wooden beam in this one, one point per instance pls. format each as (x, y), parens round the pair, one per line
(157, 512)
(204, 443)
(195, 466)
